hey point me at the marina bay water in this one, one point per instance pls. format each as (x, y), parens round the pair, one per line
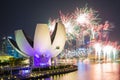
(86, 71)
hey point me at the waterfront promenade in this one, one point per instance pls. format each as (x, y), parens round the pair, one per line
(84, 71)
(35, 72)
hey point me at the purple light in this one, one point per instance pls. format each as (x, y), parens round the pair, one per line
(24, 72)
(42, 60)
(41, 50)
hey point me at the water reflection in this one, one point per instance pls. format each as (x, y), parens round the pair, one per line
(105, 71)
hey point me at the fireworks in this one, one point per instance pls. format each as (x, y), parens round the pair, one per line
(78, 22)
(51, 25)
(82, 24)
(85, 16)
(108, 51)
(67, 20)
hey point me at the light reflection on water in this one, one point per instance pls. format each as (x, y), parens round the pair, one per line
(105, 71)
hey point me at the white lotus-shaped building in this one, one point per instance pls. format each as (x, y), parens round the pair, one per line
(44, 46)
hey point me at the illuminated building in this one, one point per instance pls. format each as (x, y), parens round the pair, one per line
(7, 49)
(43, 47)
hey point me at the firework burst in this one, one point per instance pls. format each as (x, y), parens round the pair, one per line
(85, 16)
(82, 22)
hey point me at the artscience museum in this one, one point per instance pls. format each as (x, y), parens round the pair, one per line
(43, 47)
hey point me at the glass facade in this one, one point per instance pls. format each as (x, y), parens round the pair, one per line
(8, 49)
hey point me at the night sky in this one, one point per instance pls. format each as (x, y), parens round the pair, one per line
(25, 14)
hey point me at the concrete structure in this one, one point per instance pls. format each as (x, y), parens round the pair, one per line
(44, 46)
